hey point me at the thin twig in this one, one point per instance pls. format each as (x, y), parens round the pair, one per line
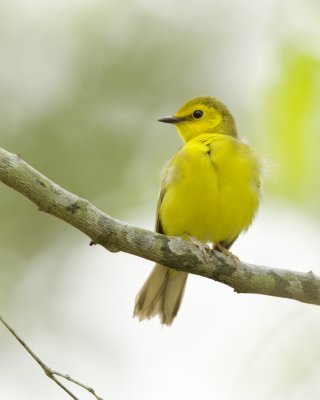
(47, 370)
(88, 388)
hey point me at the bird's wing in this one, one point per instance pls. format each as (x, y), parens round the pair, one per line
(167, 174)
(159, 227)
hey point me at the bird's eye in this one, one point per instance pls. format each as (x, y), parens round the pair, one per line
(197, 114)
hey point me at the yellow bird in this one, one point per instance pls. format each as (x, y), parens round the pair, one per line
(210, 192)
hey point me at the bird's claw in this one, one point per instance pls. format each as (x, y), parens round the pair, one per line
(235, 260)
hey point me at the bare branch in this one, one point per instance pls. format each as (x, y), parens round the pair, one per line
(48, 371)
(173, 252)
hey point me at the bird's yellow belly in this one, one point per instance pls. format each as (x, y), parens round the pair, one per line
(208, 201)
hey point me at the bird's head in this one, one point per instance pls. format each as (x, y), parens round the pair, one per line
(202, 115)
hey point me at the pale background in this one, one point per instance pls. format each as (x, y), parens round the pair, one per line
(82, 84)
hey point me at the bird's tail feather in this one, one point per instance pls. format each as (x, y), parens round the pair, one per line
(161, 294)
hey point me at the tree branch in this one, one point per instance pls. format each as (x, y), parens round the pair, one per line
(48, 371)
(173, 252)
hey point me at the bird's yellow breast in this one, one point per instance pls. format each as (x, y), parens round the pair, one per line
(211, 189)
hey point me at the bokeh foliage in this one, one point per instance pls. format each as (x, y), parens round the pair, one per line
(292, 128)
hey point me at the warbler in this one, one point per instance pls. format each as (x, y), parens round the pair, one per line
(209, 192)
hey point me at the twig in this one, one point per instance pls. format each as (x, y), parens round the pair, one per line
(48, 371)
(173, 252)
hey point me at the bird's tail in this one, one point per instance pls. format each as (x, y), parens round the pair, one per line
(161, 295)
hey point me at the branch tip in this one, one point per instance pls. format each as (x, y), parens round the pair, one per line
(47, 370)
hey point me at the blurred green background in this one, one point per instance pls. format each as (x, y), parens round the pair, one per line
(82, 84)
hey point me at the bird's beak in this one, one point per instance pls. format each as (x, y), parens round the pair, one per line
(170, 119)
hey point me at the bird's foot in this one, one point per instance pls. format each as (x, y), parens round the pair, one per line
(235, 260)
(203, 247)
